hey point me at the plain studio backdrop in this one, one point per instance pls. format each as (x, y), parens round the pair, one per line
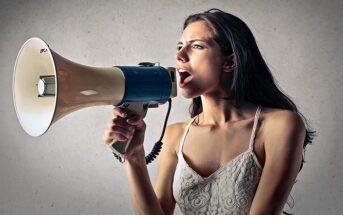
(70, 171)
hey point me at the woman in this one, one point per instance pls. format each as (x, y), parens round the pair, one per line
(241, 151)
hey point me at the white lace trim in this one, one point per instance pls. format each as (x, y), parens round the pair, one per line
(229, 190)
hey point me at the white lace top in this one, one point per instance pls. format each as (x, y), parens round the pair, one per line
(229, 190)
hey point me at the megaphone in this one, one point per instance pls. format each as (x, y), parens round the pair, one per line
(46, 87)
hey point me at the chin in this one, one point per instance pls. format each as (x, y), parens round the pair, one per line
(189, 94)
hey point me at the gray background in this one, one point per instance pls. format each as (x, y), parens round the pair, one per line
(69, 170)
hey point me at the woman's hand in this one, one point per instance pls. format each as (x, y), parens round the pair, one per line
(126, 126)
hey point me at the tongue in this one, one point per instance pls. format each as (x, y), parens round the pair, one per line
(184, 77)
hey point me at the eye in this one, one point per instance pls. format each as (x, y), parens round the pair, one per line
(197, 46)
(179, 47)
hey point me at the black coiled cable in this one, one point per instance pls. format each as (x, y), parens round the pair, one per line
(158, 145)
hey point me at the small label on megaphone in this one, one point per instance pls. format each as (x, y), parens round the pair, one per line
(89, 92)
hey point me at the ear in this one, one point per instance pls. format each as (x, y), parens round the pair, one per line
(229, 63)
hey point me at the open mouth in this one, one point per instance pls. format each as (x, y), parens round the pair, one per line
(185, 77)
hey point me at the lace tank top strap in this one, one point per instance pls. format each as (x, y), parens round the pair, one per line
(185, 134)
(252, 137)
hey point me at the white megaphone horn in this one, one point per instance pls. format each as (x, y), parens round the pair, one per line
(47, 87)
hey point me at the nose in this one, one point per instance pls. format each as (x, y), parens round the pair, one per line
(181, 55)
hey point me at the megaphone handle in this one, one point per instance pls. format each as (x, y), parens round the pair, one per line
(119, 148)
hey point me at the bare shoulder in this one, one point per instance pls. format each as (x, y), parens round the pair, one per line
(275, 118)
(173, 135)
(283, 149)
(281, 123)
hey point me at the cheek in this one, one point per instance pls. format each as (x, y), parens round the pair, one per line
(207, 75)
(210, 60)
(209, 70)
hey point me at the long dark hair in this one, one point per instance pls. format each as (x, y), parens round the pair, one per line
(252, 80)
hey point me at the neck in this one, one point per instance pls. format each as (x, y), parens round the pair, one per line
(221, 110)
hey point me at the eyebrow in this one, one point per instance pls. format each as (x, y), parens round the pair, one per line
(194, 40)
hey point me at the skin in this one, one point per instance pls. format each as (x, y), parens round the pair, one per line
(278, 142)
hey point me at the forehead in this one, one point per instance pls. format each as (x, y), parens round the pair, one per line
(197, 30)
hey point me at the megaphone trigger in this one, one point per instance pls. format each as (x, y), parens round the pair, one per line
(136, 108)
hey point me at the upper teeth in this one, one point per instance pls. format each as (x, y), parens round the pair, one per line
(182, 70)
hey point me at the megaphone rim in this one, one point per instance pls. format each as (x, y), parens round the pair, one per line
(14, 91)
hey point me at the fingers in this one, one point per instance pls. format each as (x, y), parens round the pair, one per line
(131, 117)
(124, 126)
(118, 129)
(122, 123)
(136, 121)
(118, 111)
(117, 134)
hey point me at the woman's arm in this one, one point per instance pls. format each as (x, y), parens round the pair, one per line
(167, 162)
(144, 198)
(283, 143)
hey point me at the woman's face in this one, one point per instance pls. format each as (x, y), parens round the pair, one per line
(199, 61)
